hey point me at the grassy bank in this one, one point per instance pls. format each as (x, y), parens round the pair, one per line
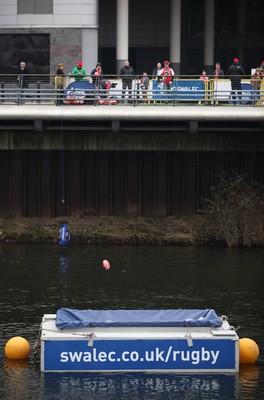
(180, 230)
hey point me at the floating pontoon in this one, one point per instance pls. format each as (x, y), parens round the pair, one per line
(138, 340)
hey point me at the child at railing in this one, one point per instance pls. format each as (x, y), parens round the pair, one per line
(144, 84)
(204, 78)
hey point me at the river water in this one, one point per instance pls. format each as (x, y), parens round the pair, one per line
(40, 279)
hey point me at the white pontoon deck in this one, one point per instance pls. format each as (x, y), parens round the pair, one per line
(138, 340)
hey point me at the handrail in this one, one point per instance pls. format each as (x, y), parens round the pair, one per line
(69, 89)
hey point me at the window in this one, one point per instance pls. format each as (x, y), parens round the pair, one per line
(33, 48)
(35, 6)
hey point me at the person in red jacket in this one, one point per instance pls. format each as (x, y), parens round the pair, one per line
(167, 74)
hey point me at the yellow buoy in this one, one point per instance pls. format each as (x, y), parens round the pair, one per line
(17, 348)
(248, 351)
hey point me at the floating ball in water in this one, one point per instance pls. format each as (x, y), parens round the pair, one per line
(17, 348)
(106, 264)
(248, 351)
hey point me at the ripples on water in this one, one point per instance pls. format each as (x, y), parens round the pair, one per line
(40, 279)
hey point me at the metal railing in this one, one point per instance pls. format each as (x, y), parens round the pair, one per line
(182, 90)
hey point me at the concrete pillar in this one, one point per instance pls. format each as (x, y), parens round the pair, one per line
(122, 24)
(209, 36)
(175, 36)
(89, 53)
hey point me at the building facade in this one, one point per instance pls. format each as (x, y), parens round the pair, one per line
(192, 34)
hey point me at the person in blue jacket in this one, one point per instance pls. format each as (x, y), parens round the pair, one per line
(64, 235)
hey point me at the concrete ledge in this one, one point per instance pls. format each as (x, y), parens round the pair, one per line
(130, 113)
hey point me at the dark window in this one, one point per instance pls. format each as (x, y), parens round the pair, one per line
(254, 15)
(32, 48)
(239, 17)
(35, 6)
(195, 12)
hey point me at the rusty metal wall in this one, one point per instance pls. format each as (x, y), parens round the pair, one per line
(135, 183)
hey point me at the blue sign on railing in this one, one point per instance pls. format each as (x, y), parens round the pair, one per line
(248, 93)
(124, 355)
(180, 90)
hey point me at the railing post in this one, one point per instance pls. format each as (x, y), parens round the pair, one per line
(2, 90)
(136, 93)
(38, 92)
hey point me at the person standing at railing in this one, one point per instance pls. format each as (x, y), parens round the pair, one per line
(218, 72)
(235, 71)
(262, 76)
(79, 72)
(97, 80)
(204, 78)
(127, 74)
(157, 82)
(157, 72)
(262, 69)
(22, 82)
(256, 83)
(60, 83)
(167, 74)
(97, 75)
(144, 84)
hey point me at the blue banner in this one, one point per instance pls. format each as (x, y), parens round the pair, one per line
(247, 94)
(180, 90)
(124, 355)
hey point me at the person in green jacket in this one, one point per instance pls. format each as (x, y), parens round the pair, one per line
(79, 71)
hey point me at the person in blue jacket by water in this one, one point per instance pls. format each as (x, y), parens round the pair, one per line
(64, 235)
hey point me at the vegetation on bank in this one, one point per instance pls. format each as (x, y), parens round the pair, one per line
(233, 216)
(238, 209)
(178, 230)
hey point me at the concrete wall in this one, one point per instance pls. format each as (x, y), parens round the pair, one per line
(67, 46)
(134, 183)
(73, 29)
(66, 13)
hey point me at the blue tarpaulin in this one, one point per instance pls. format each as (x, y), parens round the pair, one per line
(80, 85)
(75, 319)
(78, 92)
